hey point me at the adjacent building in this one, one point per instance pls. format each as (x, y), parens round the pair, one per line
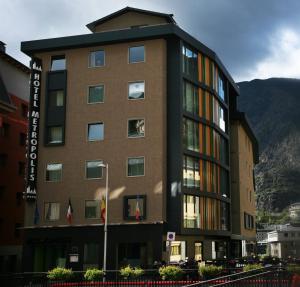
(243, 157)
(153, 103)
(14, 95)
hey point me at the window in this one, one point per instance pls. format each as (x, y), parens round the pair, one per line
(136, 54)
(19, 197)
(221, 90)
(224, 183)
(4, 130)
(190, 98)
(136, 128)
(54, 172)
(52, 210)
(190, 62)
(21, 168)
(136, 90)
(222, 122)
(92, 209)
(96, 94)
(248, 221)
(191, 211)
(22, 139)
(56, 98)
(135, 207)
(190, 135)
(96, 132)
(24, 111)
(178, 251)
(55, 135)
(97, 58)
(225, 216)
(94, 169)
(191, 174)
(136, 166)
(58, 63)
(198, 251)
(3, 159)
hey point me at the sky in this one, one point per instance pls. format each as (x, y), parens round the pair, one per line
(255, 39)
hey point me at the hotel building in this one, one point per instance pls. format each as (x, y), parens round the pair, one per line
(155, 104)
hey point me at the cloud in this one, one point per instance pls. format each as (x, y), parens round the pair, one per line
(283, 59)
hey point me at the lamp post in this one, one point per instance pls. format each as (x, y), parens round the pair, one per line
(105, 222)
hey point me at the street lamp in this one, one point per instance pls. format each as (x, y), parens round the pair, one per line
(106, 219)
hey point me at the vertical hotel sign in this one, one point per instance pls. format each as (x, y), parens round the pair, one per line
(33, 128)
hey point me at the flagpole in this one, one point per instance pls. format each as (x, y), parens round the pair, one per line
(105, 225)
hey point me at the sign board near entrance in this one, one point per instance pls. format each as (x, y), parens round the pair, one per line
(171, 236)
(33, 128)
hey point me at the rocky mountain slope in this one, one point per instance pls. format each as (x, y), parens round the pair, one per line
(273, 108)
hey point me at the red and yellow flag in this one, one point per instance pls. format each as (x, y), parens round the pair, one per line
(102, 208)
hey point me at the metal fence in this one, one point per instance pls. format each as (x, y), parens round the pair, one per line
(264, 277)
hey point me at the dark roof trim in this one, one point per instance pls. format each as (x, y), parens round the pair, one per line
(14, 62)
(245, 123)
(132, 34)
(92, 25)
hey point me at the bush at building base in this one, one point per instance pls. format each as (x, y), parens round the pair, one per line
(129, 272)
(93, 274)
(209, 271)
(170, 272)
(60, 274)
(250, 267)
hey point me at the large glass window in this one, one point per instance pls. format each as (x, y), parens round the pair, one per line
(198, 251)
(96, 94)
(190, 98)
(54, 172)
(190, 135)
(221, 88)
(224, 183)
(56, 98)
(178, 251)
(58, 63)
(136, 128)
(136, 54)
(190, 62)
(55, 135)
(94, 169)
(191, 174)
(224, 216)
(222, 122)
(91, 255)
(223, 150)
(92, 209)
(135, 207)
(96, 132)
(136, 166)
(97, 58)
(52, 210)
(191, 211)
(136, 90)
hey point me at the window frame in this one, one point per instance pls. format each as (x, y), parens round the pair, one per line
(61, 177)
(89, 58)
(87, 132)
(93, 178)
(134, 137)
(45, 217)
(49, 98)
(97, 206)
(127, 169)
(135, 46)
(58, 57)
(125, 206)
(134, 82)
(48, 142)
(88, 94)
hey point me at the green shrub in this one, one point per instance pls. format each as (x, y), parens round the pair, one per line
(170, 272)
(93, 274)
(250, 267)
(209, 271)
(131, 272)
(59, 273)
(293, 268)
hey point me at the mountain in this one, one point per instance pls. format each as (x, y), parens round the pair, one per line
(273, 109)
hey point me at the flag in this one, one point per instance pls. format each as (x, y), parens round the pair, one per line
(137, 210)
(70, 212)
(102, 208)
(36, 215)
